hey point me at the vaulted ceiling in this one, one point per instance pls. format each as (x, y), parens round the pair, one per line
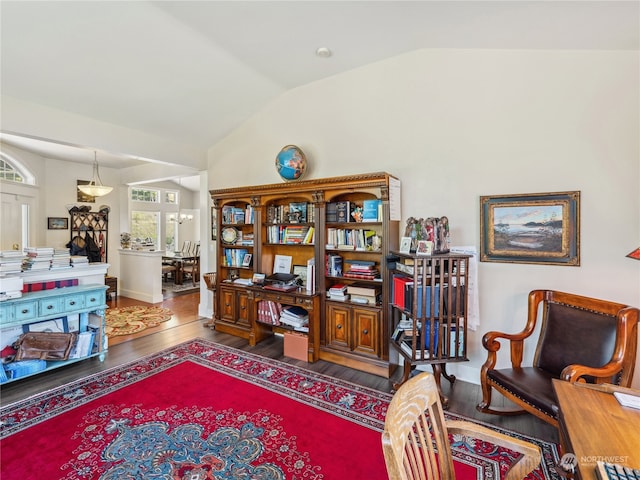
(193, 71)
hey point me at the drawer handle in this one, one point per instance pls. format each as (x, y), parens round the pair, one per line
(93, 299)
(339, 326)
(49, 307)
(72, 303)
(243, 307)
(25, 311)
(365, 331)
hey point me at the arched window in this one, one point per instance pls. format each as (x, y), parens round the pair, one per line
(14, 171)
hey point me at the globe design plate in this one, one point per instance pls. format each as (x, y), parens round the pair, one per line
(291, 163)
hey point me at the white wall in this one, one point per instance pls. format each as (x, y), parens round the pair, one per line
(457, 124)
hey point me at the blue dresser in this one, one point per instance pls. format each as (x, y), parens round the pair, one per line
(79, 308)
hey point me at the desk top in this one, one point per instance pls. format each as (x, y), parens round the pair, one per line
(596, 427)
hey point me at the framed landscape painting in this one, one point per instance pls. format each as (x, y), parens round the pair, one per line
(542, 228)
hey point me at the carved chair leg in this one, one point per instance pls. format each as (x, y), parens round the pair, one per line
(406, 372)
(437, 373)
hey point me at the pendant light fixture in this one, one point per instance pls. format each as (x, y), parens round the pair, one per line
(95, 188)
(181, 217)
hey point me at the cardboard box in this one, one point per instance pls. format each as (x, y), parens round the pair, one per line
(296, 345)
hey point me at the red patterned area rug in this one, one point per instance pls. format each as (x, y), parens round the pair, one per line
(200, 411)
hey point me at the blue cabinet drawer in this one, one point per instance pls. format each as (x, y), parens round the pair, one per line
(51, 306)
(72, 303)
(5, 313)
(95, 298)
(25, 311)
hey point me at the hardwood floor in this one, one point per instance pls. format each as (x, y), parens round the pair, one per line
(185, 325)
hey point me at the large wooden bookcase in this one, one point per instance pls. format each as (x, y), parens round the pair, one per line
(297, 220)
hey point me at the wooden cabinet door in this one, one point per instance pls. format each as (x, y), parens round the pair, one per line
(366, 326)
(338, 327)
(243, 309)
(228, 305)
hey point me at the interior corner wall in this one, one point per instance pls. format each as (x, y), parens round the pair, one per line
(457, 124)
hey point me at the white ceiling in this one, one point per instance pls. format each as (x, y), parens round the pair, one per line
(192, 71)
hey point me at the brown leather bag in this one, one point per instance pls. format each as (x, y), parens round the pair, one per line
(44, 346)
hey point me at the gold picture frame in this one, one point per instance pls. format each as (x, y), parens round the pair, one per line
(540, 228)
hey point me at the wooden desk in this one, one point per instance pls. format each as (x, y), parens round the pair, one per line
(594, 426)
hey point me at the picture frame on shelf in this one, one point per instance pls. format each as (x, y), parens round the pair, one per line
(57, 223)
(282, 264)
(246, 260)
(424, 247)
(539, 228)
(405, 245)
(300, 271)
(214, 225)
(258, 278)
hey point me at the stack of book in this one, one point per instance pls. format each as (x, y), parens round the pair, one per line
(362, 269)
(364, 294)
(79, 260)
(296, 317)
(338, 291)
(245, 239)
(10, 261)
(38, 258)
(61, 259)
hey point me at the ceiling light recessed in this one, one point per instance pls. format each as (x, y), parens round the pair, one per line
(323, 52)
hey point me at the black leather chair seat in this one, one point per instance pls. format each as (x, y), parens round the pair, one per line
(531, 385)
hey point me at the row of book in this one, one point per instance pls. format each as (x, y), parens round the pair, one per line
(235, 257)
(292, 316)
(402, 296)
(333, 265)
(358, 239)
(236, 215)
(410, 339)
(294, 212)
(290, 234)
(346, 211)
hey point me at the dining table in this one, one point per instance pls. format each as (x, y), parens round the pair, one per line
(179, 260)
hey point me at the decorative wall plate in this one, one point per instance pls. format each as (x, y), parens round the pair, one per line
(229, 235)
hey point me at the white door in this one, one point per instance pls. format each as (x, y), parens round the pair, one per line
(14, 221)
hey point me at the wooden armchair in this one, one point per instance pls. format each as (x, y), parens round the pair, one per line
(581, 339)
(415, 421)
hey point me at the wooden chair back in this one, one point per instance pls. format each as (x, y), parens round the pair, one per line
(415, 439)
